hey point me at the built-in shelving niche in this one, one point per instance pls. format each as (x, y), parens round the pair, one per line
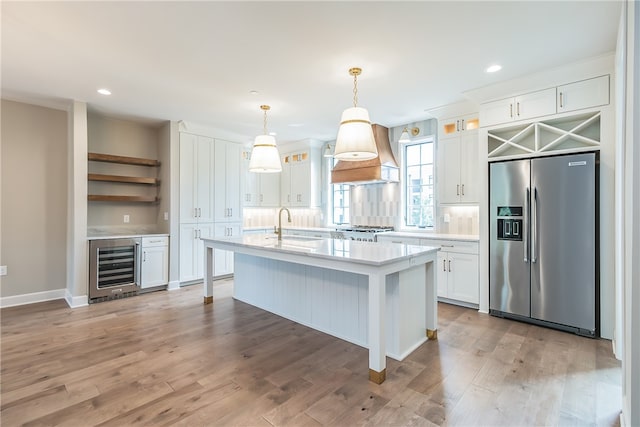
(136, 180)
(550, 136)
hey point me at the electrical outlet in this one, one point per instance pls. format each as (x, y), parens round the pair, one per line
(126, 219)
(447, 218)
(3, 270)
(166, 216)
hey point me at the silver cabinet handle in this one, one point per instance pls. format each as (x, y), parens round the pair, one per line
(457, 125)
(463, 189)
(526, 226)
(534, 229)
(457, 189)
(518, 108)
(462, 124)
(444, 265)
(449, 266)
(511, 110)
(144, 256)
(561, 103)
(261, 197)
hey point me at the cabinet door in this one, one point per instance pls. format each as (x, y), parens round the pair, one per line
(188, 237)
(232, 182)
(219, 191)
(442, 275)
(469, 167)
(496, 112)
(250, 183)
(583, 94)
(269, 190)
(449, 170)
(154, 268)
(285, 182)
(535, 104)
(204, 168)
(188, 178)
(463, 277)
(300, 183)
(223, 260)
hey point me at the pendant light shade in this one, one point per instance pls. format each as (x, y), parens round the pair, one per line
(265, 157)
(355, 139)
(404, 136)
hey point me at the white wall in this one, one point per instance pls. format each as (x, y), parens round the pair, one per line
(34, 200)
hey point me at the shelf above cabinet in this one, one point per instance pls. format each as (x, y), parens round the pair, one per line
(124, 179)
(110, 198)
(136, 161)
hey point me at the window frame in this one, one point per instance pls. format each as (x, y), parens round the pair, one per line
(405, 196)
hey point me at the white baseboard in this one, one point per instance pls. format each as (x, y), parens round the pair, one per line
(174, 285)
(23, 299)
(75, 302)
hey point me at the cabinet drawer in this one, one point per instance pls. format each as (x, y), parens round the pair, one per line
(148, 242)
(394, 239)
(452, 245)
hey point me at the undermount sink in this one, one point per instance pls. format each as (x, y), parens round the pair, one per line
(297, 238)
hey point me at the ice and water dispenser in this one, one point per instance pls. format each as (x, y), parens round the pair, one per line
(510, 223)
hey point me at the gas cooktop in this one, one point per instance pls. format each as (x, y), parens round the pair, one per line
(366, 228)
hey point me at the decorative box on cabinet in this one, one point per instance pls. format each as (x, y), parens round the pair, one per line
(154, 269)
(458, 161)
(259, 189)
(226, 179)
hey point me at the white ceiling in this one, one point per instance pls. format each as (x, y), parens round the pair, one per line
(198, 61)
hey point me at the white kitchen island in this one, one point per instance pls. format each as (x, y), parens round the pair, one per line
(381, 296)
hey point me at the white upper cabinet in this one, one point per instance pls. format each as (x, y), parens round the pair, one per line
(458, 159)
(300, 179)
(259, 189)
(196, 178)
(583, 94)
(569, 97)
(527, 106)
(227, 206)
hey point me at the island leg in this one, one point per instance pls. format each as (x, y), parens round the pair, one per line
(377, 351)
(208, 274)
(431, 283)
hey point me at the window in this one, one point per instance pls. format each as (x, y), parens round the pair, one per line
(419, 184)
(340, 202)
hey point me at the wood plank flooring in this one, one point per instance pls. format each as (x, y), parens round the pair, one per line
(164, 358)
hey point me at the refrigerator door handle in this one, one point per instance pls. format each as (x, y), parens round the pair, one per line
(525, 232)
(534, 226)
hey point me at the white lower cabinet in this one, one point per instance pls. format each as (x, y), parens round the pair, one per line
(223, 260)
(154, 268)
(192, 250)
(457, 267)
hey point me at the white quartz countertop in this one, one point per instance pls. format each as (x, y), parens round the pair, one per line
(431, 235)
(123, 236)
(370, 253)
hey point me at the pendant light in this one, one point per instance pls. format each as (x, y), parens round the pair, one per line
(265, 157)
(355, 139)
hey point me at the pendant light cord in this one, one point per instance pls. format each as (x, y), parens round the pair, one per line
(265, 122)
(355, 90)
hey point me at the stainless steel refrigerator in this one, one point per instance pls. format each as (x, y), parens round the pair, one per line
(543, 249)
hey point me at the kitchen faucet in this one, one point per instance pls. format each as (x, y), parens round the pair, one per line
(279, 229)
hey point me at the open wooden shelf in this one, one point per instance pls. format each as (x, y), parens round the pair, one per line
(125, 179)
(109, 158)
(137, 199)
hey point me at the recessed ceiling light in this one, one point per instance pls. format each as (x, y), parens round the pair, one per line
(494, 68)
(273, 133)
(296, 125)
(253, 92)
(104, 91)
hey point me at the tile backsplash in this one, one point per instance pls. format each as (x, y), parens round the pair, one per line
(462, 220)
(375, 204)
(268, 217)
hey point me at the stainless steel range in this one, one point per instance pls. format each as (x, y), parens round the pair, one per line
(363, 233)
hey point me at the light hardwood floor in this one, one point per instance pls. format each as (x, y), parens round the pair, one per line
(166, 359)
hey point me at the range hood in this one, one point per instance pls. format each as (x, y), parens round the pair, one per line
(381, 169)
